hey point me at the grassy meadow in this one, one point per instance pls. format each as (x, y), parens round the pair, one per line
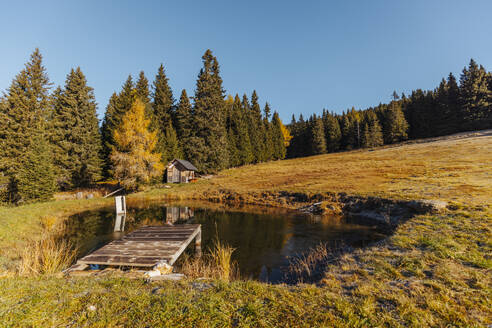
(434, 270)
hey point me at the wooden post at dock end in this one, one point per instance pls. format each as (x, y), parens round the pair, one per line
(120, 202)
(198, 242)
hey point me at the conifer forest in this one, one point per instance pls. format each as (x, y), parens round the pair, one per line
(51, 138)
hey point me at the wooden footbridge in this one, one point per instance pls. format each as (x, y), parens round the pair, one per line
(146, 246)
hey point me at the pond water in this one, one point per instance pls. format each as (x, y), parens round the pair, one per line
(263, 242)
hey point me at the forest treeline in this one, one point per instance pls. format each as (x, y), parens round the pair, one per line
(51, 139)
(451, 107)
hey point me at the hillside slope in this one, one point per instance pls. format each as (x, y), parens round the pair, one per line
(456, 168)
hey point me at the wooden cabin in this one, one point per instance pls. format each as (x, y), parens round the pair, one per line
(180, 171)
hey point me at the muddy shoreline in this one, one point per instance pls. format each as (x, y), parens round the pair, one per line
(384, 212)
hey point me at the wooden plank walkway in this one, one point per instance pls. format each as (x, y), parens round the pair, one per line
(146, 246)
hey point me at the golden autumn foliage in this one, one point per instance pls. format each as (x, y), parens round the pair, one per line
(285, 134)
(133, 158)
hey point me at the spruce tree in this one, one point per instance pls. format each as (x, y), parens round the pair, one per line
(142, 88)
(332, 132)
(452, 106)
(118, 106)
(293, 149)
(163, 112)
(125, 101)
(419, 113)
(366, 136)
(232, 134)
(163, 100)
(267, 142)
(242, 122)
(256, 130)
(347, 128)
(397, 125)
(278, 139)
(171, 147)
(3, 138)
(36, 175)
(446, 115)
(143, 92)
(355, 116)
(440, 123)
(25, 113)
(475, 96)
(372, 132)
(209, 118)
(318, 141)
(76, 138)
(107, 134)
(303, 138)
(240, 151)
(184, 128)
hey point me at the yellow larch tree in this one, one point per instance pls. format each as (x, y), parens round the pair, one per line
(133, 157)
(286, 134)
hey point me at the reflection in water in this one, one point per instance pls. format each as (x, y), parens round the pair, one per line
(175, 214)
(263, 242)
(119, 223)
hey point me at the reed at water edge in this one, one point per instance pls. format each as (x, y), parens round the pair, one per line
(215, 264)
(49, 254)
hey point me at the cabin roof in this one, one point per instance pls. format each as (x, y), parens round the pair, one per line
(187, 165)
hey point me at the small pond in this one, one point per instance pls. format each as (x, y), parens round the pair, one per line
(264, 240)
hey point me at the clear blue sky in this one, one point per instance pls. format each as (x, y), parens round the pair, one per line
(301, 56)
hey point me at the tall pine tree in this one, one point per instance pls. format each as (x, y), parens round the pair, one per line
(475, 96)
(118, 106)
(332, 132)
(278, 139)
(267, 142)
(36, 176)
(76, 138)
(142, 88)
(183, 121)
(372, 132)
(318, 141)
(26, 111)
(256, 130)
(164, 116)
(210, 142)
(397, 126)
(232, 134)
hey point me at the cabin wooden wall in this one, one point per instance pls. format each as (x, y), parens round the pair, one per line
(174, 175)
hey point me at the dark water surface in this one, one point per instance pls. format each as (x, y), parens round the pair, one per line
(263, 242)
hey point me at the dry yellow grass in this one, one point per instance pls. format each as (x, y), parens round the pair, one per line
(434, 271)
(452, 169)
(46, 256)
(216, 264)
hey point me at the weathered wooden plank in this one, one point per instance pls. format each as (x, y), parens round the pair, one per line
(159, 235)
(123, 262)
(160, 232)
(145, 246)
(171, 238)
(177, 227)
(135, 253)
(183, 247)
(154, 242)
